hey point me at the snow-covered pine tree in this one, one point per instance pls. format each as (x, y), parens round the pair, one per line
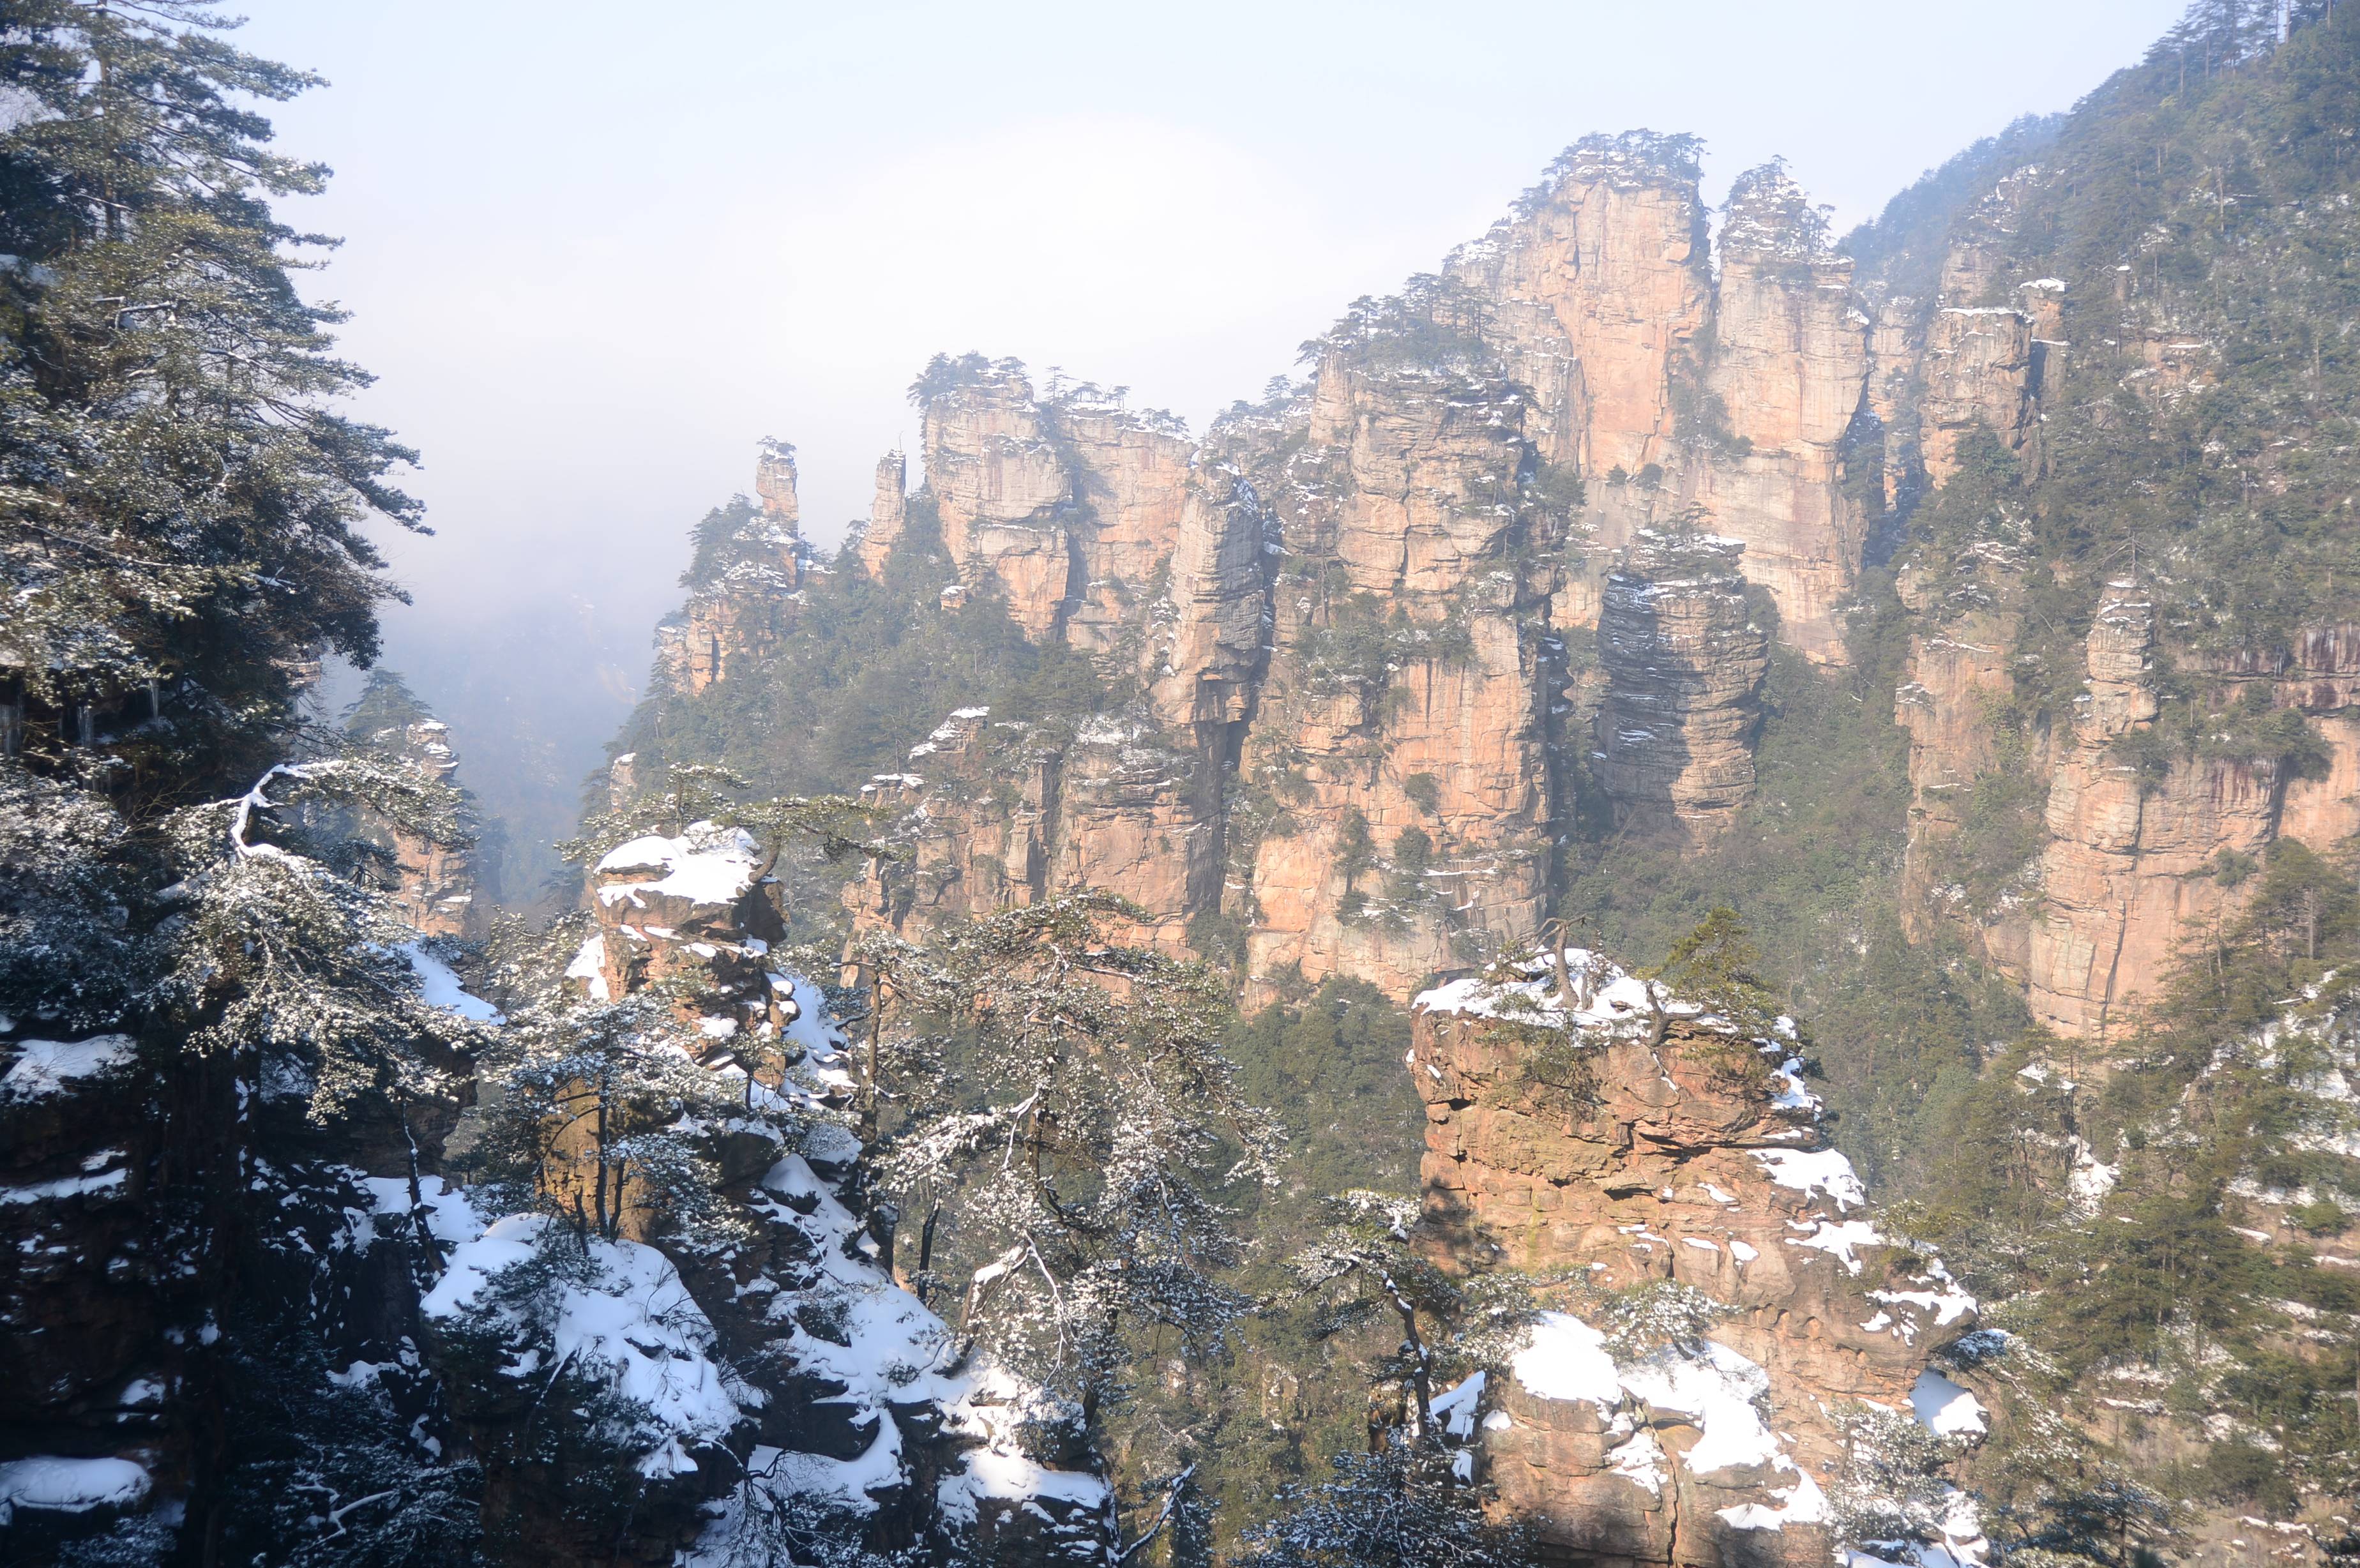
(1399, 1507)
(1365, 1264)
(181, 515)
(182, 500)
(1081, 1134)
(606, 1122)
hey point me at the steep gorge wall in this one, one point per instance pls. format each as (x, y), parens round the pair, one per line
(1350, 610)
(1386, 626)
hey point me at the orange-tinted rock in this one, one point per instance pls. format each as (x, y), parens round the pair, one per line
(1790, 361)
(1133, 480)
(1982, 370)
(889, 514)
(434, 883)
(2129, 871)
(1401, 693)
(1598, 282)
(750, 591)
(1593, 1138)
(1004, 495)
(1004, 815)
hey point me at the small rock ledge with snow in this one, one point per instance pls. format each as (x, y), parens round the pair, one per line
(1603, 1129)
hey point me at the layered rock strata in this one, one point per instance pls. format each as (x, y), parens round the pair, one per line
(1605, 1131)
(1383, 620)
(1684, 662)
(889, 514)
(1006, 814)
(2138, 844)
(2139, 829)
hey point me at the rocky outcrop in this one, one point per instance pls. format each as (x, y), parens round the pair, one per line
(749, 587)
(1960, 680)
(1784, 384)
(1984, 367)
(889, 515)
(1684, 663)
(1005, 494)
(998, 816)
(1598, 284)
(844, 1390)
(694, 914)
(1133, 480)
(1355, 607)
(2138, 840)
(1682, 1405)
(1399, 738)
(432, 880)
(1667, 390)
(1068, 507)
(2140, 828)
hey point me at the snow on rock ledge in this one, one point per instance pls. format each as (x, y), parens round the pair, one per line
(1630, 1140)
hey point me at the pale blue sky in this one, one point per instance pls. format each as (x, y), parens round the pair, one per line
(596, 250)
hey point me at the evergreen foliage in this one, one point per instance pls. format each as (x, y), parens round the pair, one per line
(184, 502)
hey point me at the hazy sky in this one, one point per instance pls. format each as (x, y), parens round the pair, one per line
(596, 250)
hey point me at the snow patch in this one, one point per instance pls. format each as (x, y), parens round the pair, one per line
(46, 1067)
(708, 865)
(1944, 1407)
(1817, 1171)
(69, 1486)
(439, 985)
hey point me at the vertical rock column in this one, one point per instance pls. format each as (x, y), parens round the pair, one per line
(1005, 496)
(1684, 663)
(1789, 367)
(2125, 872)
(889, 514)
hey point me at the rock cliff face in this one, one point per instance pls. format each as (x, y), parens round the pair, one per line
(889, 514)
(1358, 601)
(2135, 857)
(749, 589)
(1988, 339)
(1785, 384)
(1381, 624)
(2140, 825)
(1620, 1135)
(433, 882)
(1006, 814)
(1684, 663)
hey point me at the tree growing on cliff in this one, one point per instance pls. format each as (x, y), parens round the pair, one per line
(1365, 1264)
(1714, 966)
(1399, 1507)
(604, 1120)
(1087, 1124)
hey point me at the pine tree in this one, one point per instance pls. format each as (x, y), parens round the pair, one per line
(1365, 1264)
(182, 503)
(1090, 1122)
(1400, 1507)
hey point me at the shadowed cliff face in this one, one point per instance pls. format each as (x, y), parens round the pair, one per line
(1684, 663)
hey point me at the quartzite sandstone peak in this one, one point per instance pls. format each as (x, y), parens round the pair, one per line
(1390, 623)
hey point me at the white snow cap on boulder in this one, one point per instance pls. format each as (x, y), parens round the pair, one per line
(706, 865)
